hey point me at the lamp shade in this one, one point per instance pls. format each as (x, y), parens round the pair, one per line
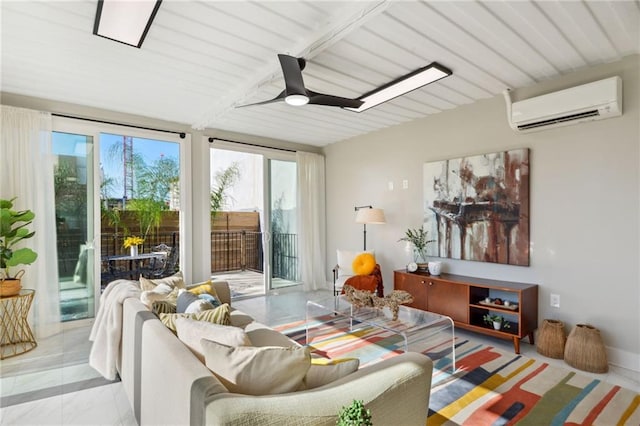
(374, 216)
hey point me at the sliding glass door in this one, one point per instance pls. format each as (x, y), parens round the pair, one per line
(74, 201)
(253, 225)
(283, 230)
(113, 182)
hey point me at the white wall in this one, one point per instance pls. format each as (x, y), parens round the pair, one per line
(584, 193)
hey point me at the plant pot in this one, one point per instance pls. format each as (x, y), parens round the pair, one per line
(134, 251)
(10, 287)
(497, 325)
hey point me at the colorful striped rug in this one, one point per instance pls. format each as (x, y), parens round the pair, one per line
(489, 386)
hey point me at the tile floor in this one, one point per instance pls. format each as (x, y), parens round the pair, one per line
(53, 384)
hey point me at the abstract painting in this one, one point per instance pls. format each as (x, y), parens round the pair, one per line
(477, 207)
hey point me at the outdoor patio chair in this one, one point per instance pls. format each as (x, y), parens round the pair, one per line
(164, 266)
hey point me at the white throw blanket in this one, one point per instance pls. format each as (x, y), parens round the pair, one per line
(106, 333)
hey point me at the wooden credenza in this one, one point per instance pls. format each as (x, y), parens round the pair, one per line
(463, 299)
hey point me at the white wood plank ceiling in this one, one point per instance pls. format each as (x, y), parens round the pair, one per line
(203, 58)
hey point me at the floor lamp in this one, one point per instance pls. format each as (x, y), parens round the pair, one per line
(368, 215)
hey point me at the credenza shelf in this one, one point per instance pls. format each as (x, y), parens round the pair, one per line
(458, 297)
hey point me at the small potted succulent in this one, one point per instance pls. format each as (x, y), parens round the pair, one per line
(498, 322)
(354, 415)
(13, 229)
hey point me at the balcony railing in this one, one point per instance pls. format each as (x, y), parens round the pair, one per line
(230, 250)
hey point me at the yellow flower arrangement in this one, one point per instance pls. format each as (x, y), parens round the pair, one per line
(132, 241)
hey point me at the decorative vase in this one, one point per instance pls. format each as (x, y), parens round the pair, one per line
(420, 257)
(585, 350)
(552, 339)
(435, 268)
(134, 251)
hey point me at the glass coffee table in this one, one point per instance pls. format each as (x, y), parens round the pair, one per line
(420, 331)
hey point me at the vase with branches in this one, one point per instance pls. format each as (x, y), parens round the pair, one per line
(419, 240)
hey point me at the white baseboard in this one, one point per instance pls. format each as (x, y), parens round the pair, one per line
(624, 359)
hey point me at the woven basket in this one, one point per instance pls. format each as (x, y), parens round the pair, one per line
(551, 339)
(585, 351)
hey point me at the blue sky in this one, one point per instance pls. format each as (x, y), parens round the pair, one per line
(149, 149)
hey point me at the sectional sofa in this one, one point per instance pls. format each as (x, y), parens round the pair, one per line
(167, 384)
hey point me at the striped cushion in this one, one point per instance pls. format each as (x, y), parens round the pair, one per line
(219, 315)
(163, 307)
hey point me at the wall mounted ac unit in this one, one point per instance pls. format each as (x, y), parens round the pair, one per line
(592, 101)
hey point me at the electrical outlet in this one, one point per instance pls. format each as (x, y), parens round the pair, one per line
(405, 184)
(555, 300)
(390, 185)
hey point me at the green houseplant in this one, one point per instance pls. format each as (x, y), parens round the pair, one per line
(354, 415)
(419, 240)
(497, 321)
(13, 229)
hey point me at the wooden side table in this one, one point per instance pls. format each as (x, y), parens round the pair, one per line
(16, 336)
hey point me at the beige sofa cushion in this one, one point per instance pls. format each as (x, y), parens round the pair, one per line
(174, 281)
(324, 371)
(191, 332)
(261, 335)
(257, 371)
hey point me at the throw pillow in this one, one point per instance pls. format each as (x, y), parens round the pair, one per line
(191, 332)
(324, 371)
(257, 371)
(163, 307)
(209, 298)
(364, 264)
(202, 288)
(206, 291)
(172, 281)
(345, 261)
(190, 303)
(159, 293)
(219, 315)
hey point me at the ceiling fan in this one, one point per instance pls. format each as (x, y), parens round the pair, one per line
(296, 94)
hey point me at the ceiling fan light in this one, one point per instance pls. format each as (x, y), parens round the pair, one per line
(405, 84)
(127, 22)
(297, 100)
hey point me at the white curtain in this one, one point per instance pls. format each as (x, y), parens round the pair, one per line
(311, 220)
(26, 172)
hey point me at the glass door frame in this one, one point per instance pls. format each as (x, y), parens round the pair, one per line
(94, 129)
(267, 155)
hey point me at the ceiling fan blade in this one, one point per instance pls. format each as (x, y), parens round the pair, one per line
(330, 100)
(278, 98)
(292, 71)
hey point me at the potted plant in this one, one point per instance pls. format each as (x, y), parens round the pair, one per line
(497, 321)
(13, 229)
(419, 240)
(354, 415)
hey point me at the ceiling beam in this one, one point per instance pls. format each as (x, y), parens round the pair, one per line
(341, 24)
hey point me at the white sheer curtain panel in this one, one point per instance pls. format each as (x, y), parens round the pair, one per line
(27, 173)
(311, 220)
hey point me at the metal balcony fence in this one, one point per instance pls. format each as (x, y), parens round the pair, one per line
(284, 259)
(230, 251)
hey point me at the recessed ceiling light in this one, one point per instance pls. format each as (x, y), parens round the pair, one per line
(125, 21)
(405, 84)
